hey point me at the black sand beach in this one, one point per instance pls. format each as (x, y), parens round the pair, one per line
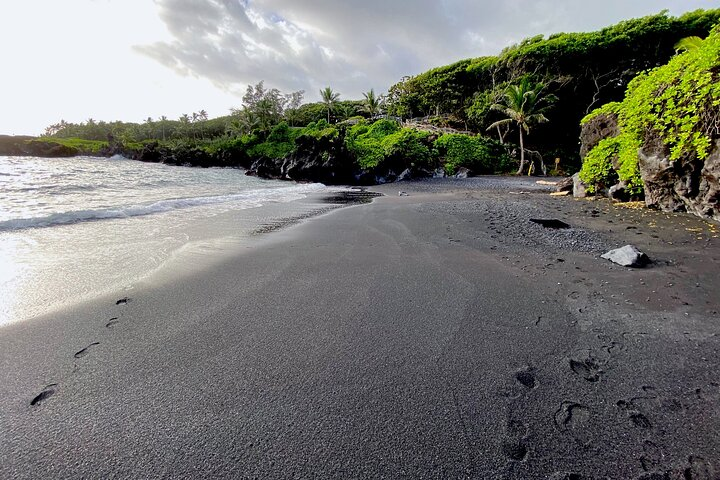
(440, 334)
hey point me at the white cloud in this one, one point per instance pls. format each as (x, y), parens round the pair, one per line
(354, 46)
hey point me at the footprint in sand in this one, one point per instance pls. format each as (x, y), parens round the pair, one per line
(514, 450)
(652, 456)
(636, 417)
(587, 369)
(86, 350)
(572, 418)
(699, 469)
(46, 393)
(514, 446)
(112, 322)
(123, 301)
(526, 378)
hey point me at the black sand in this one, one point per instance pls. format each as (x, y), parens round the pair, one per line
(436, 335)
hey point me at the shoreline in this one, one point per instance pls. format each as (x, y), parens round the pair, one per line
(197, 252)
(435, 334)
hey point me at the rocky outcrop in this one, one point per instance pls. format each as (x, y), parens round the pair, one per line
(12, 145)
(688, 184)
(327, 160)
(323, 160)
(31, 146)
(598, 128)
(592, 132)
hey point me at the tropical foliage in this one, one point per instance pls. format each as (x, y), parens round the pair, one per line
(329, 98)
(677, 103)
(523, 105)
(583, 70)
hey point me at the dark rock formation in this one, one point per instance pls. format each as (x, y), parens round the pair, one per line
(323, 160)
(13, 145)
(682, 185)
(685, 185)
(619, 192)
(599, 128)
(23, 145)
(265, 167)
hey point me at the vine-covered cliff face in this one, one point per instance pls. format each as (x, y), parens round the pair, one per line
(667, 141)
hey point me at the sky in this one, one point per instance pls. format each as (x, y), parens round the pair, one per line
(133, 59)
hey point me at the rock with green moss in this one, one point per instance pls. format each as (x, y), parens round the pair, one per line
(667, 141)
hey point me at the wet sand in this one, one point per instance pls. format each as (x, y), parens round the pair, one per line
(440, 334)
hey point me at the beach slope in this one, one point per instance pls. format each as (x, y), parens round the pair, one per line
(440, 334)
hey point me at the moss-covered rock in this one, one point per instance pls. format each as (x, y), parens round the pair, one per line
(667, 140)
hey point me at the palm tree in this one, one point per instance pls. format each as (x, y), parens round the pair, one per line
(524, 105)
(372, 104)
(163, 119)
(688, 43)
(184, 123)
(329, 98)
(202, 117)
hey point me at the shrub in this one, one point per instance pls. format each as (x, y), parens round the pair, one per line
(279, 143)
(479, 154)
(384, 141)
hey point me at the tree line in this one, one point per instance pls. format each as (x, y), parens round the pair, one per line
(544, 84)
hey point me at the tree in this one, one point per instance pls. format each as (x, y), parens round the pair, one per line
(184, 124)
(163, 120)
(523, 104)
(267, 107)
(293, 103)
(372, 104)
(329, 98)
(688, 43)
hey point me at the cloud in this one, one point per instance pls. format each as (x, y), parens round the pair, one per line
(354, 46)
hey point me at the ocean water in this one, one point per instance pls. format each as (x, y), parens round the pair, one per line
(74, 228)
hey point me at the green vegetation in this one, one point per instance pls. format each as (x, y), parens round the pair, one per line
(372, 104)
(523, 105)
(563, 76)
(329, 98)
(676, 103)
(278, 144)
(479, 154)
(84, 147)
(583, 70)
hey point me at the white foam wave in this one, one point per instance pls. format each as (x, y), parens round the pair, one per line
(247, 199)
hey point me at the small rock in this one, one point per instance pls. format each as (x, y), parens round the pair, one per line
(565, 185)
(405, 175)
(619, 192)
(463, 173)
(579, 187)
(627, 256)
